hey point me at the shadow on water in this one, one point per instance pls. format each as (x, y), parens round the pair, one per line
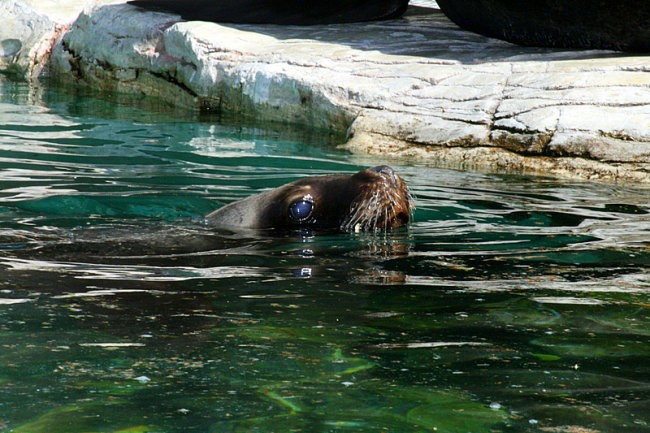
(510, 304)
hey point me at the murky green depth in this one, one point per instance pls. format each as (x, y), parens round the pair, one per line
(511, 304)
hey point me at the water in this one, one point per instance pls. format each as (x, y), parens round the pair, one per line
(511, 304)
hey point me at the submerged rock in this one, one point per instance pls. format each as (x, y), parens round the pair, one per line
(416, 87)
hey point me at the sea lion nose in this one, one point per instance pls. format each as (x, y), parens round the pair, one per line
(386, 172)
(383, 169)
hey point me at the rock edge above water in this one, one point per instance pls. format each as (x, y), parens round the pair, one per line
(417, 87)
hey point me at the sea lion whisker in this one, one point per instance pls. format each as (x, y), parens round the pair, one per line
(356, 220)
(386, 216)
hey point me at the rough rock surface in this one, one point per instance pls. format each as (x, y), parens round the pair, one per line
(416, 87)
(24, 38)
(30, 29)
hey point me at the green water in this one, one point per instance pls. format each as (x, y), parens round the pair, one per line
(511, 304)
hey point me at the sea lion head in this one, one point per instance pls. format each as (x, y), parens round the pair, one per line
(374, 199)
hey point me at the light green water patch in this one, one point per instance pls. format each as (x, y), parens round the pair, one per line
(572, 346)
(313, 355)
(546, 357)
(449, 413)
(112, 417)
(362, 407)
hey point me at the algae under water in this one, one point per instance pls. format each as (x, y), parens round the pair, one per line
(511, 304)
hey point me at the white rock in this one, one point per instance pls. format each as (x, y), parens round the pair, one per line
(24, 37)
(417, 87)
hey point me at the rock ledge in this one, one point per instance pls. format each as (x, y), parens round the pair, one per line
(416, 87)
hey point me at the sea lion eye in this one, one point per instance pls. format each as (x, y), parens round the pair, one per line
(301, 210)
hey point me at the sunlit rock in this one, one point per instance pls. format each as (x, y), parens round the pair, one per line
(24, 38)
(29, 30)
(417, 87)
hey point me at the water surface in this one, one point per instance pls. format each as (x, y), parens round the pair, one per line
(511, 304)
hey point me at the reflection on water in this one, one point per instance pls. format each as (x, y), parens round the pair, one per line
(510, 304)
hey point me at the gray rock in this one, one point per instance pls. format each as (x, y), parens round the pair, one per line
(417, 87)
(24, 38)
(30, 28)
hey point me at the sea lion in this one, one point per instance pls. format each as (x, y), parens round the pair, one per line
(582, 24)
(374, 199)
(297, 12)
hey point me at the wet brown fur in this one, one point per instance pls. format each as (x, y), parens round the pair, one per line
(374, 199)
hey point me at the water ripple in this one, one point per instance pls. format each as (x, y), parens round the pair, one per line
(511, 300)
